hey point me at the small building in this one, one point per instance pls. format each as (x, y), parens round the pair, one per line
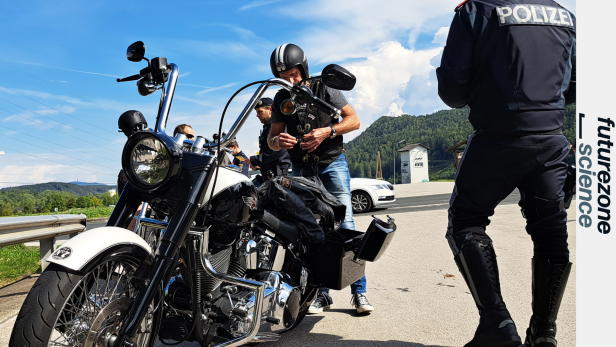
(414, 163)
(112, 192)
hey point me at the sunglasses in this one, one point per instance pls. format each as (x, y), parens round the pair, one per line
(189, 136)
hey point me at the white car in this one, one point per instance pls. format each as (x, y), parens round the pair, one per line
(367, 193)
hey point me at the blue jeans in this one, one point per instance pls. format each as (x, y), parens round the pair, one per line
(337, 181)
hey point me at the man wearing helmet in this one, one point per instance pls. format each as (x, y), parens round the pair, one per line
(321, 151)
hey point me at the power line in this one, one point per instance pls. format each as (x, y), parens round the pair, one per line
(57, 144)
(81, 120)
(42, 115)
(53, 161)
(46, 149)
(46, 126)
(68, 91)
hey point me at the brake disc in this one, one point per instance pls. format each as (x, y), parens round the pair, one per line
(107, 323)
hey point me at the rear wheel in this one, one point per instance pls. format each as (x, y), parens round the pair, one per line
(361, 202)
(65, 308)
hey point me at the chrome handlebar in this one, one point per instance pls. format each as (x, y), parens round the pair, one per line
(235, 128)
(161, 121)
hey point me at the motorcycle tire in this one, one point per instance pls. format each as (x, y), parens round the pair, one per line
(67, 308)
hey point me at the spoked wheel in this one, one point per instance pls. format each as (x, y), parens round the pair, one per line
(68, 309)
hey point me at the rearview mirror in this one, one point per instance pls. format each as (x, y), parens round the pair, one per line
(136, 52)
(337, 77)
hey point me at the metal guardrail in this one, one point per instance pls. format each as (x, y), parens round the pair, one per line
(14, 230)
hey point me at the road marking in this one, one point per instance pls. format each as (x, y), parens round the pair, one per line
(413, 206)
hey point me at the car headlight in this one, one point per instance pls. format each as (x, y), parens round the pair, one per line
(379, 186)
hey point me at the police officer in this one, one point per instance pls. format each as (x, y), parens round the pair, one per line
(321, 152)
(270, 162)
(513, 63)
(240, 160)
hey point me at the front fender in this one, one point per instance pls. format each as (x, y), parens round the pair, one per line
(79, 251)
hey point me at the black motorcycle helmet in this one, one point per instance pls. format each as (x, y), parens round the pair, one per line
(131, 121)
(288, 56)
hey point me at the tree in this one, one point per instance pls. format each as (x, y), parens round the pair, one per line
(6, 210)
(81, 202)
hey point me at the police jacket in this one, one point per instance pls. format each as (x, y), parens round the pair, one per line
(269, 159)
(306, 119)
(512, 62)
(239, 160)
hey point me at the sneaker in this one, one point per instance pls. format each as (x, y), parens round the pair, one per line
(323, 302)
(360, 302)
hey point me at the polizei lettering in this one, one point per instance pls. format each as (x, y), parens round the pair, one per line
(603, 159)
(534, 15)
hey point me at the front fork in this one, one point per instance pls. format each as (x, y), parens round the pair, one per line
(166, 258)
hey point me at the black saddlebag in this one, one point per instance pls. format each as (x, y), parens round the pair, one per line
(341, 259)
(300, 199)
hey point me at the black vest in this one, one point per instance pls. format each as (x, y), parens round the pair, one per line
(308, 118)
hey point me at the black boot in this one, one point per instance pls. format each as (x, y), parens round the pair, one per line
(549, 282)
(477, 263)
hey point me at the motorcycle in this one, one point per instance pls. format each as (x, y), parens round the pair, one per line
(205, 262)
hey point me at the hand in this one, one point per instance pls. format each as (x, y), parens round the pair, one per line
(285, 141)
(314, 138)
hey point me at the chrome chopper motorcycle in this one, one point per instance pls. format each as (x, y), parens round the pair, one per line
(201, 264)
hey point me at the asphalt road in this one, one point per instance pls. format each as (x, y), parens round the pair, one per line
(430, 202)
(419, 296)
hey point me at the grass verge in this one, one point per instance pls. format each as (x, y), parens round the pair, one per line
(18, 261)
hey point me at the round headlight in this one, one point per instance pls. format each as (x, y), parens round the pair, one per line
(150, 161)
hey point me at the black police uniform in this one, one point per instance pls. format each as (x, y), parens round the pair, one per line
(308, 118)
(239, 160)
(276, 162)
(513, 63)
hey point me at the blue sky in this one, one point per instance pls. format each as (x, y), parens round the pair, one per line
(59, 102)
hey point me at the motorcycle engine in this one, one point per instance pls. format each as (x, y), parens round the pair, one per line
(281, 304)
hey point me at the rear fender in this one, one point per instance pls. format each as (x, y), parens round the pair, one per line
(80, 252)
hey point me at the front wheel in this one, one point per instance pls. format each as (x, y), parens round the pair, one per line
(65, 308)
(361, 202)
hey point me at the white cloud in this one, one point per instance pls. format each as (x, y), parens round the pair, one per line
(441, 36)
(45, 95)
(385, 45)
(258, 3)
(20, 173)
(377, 42)
(2, 152)
(383, 78)
(216, 88)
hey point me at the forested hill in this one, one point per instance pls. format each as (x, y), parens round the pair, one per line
(439, 131)
(75, 189)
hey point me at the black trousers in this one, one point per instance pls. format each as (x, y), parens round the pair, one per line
(491, 168)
